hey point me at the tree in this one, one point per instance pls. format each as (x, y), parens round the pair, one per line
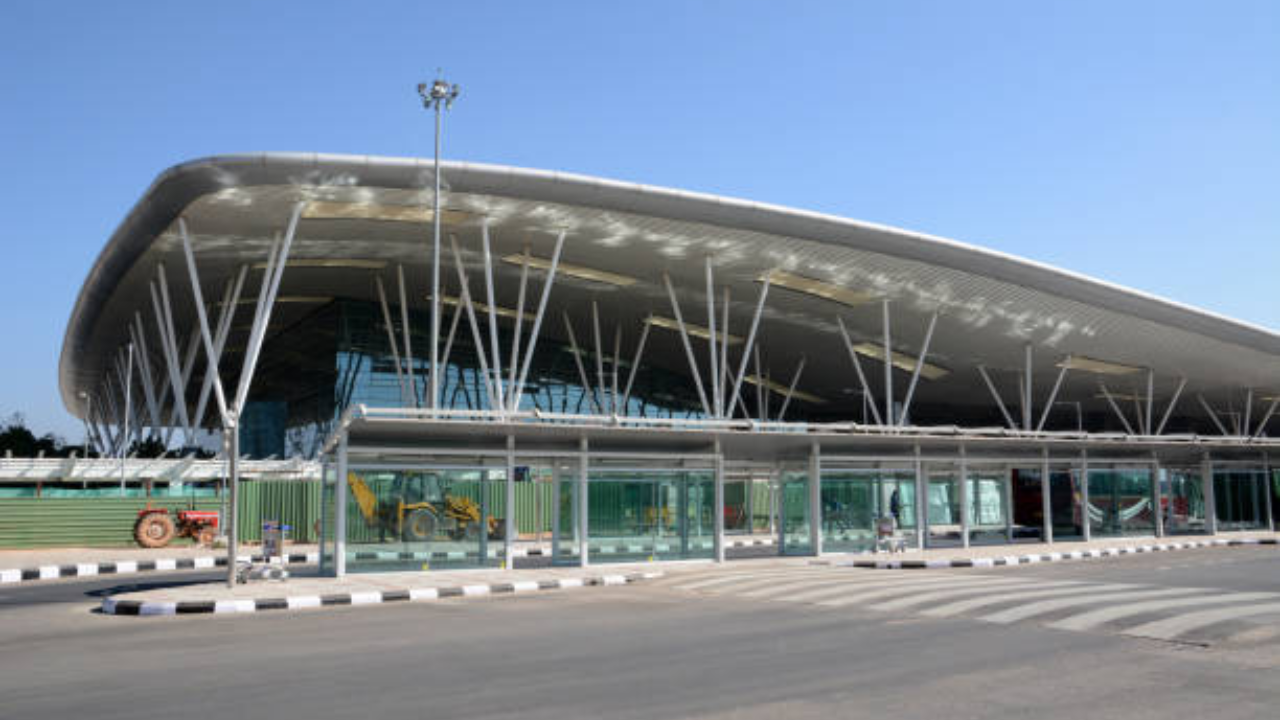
(18, 440)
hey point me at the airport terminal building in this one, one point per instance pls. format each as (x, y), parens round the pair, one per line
(668, 370)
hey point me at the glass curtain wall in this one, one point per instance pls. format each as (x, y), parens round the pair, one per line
(1120, 502)
(650, 514)
(1183, 501)
(850, 506)
(420, 518)
(1239, 494)
(942, 506)
(988, 505)
(794, 513)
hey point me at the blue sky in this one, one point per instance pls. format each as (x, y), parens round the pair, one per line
(1138, 142)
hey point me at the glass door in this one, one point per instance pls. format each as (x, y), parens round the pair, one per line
(942, 507)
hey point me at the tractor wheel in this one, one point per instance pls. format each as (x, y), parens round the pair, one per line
(206, 536)
(472, 531)
(420, 525)
(154, 530)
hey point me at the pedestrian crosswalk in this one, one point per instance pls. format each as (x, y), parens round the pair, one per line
(1184, 614)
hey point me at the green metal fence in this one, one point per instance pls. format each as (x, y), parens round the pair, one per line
(31, 522)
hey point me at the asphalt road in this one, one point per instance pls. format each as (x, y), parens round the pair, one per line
(627, 652)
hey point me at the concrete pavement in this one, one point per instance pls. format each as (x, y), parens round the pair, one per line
(644, 651)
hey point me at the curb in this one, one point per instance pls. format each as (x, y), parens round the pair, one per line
(120, 567)
(111, 606)
(1055, 556)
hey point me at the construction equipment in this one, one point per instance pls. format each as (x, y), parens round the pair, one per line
(155, 527)
(421, 515)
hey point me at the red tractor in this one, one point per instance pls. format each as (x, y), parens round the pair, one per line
(155, 528)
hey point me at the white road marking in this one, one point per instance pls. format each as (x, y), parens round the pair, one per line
(956, 608)
(884, 593)
(1095, 618)
(1047, 606)
(997, 587)
(1170, 628)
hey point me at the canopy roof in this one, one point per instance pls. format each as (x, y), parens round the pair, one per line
(366, 214)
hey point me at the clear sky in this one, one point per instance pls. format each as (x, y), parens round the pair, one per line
(1137, 142)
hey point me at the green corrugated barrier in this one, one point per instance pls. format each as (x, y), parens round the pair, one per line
(75, 522)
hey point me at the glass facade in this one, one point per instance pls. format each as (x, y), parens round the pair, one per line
(988, 505)
(1120, 502)
(1239, 494)
(650, 515)
(794, 513)
(423, 518)
(1183, 501)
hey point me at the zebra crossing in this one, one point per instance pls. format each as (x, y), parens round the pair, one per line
(1181, 614)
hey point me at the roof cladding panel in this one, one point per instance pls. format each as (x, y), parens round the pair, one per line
(990, 304)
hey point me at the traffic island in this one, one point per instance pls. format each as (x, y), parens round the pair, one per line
(382, 588)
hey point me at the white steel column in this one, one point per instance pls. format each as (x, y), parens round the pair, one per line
(465, 300)
(868, 398)
(921, 499)
(815, 497)
(1157, 496)
(537, 321)
(582, 370)
(888, 369)
(404, 328)
(340, 508)
(1008, 504)
(791, 389)
(751, 340)
(494, 345)
(391, 341)
(995, 394)
(584, 516)
(963, 492)
(555, 511)
(635, 363)
(717, 402)
(1267, 483)
(1046, 498)
(511, 528)
(1026, 391)
(719, 502)
(688, 348)
(1085, 522)
(1177, 393)
(915, 372)
(1053, 395)
(519, 328)
(1210, 500)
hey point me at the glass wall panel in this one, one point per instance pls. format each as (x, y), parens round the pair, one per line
(943, 510)
(736, 520)
(988, 506)
(1064, 505)
(421, 519)
(794, 514)
(1183, 501)
(1120, 502)
(849, 509)
(566, 521)
(651, 515)
(1238, 497)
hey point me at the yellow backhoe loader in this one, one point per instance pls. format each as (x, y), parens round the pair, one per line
(456, 518)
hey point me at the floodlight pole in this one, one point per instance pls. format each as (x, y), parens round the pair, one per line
(440, 92)
(128, 401)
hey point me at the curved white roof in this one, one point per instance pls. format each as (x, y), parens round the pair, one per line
(992, 303)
